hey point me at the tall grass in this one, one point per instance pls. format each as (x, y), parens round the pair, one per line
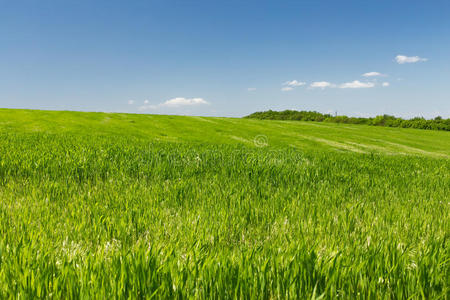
(110, 216)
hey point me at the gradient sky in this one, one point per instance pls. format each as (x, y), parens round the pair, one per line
(226, 58)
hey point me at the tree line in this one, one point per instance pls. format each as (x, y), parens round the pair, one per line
(437, 123)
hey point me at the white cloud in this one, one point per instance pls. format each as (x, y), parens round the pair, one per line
(321, 84)
(251, 89)
(145, 101)
(348, 85)
(175, 103)
(385, 84)
(286, 88)
(130, 102)
(356, 85)
(294, 83)
(402, 59)
(180, 101)
(372, 74)
(290, 85)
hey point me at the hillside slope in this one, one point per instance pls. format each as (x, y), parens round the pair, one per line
(106, 206)
(302, 135)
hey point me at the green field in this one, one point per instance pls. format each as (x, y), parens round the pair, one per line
(96, 205)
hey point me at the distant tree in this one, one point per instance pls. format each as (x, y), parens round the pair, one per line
(437, 123)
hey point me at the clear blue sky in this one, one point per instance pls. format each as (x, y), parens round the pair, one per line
(227, 58)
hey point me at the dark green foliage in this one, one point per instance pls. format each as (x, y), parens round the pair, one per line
(385, 120)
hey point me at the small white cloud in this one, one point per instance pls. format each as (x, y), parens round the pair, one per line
(286, 88)
(294, 83)
(145, 101)
(372, 74)
(180, 101)
(402, 59)
(356, 85)
(251, 89)
(385, 84)
(130, 102)
(321, 84)
(175, 103)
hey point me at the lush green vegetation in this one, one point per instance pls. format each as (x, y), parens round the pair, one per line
(98, 205)
(385, 120)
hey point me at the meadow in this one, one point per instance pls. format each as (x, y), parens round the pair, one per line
(96, 205)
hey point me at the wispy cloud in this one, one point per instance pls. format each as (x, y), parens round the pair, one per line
(356, 85)
(372, 74)
(286, 88)
(321, 84)
(251, 89)
(385, 84)
(291, 84)
(130, 102)
(294, 83)
(175, 103)
(402, 59)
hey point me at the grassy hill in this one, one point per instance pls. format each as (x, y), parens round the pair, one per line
(300, 135)
(98, 205)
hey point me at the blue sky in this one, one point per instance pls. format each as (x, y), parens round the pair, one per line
(227, 58)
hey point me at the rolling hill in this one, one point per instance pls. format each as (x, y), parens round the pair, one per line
(99, 205)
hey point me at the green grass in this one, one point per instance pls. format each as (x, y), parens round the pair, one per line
(96, 205)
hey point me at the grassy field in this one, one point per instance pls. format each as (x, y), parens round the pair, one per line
(96, 205)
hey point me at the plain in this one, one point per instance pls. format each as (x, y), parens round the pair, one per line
(98, 205)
